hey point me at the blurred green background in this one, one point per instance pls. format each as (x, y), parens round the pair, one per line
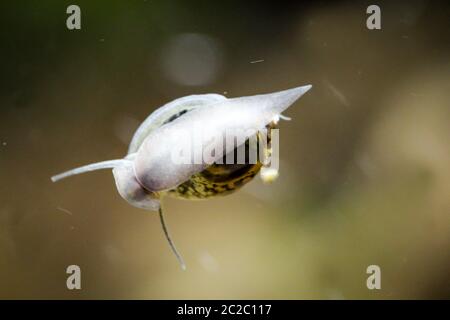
(365, 162)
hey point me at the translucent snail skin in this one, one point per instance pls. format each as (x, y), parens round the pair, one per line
(147, 173)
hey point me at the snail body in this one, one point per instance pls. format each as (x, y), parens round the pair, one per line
(148, 171)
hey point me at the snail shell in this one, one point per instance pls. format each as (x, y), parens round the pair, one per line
(147, 169)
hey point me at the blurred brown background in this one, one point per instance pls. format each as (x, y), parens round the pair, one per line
(365, 162)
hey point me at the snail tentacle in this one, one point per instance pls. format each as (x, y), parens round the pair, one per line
(109, 164)
(169, 240)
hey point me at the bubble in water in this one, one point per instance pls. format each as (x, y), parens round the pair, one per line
(191, 59)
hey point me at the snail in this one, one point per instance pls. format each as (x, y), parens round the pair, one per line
(149, 170)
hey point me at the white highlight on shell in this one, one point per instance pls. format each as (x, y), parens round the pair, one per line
(269, 175)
